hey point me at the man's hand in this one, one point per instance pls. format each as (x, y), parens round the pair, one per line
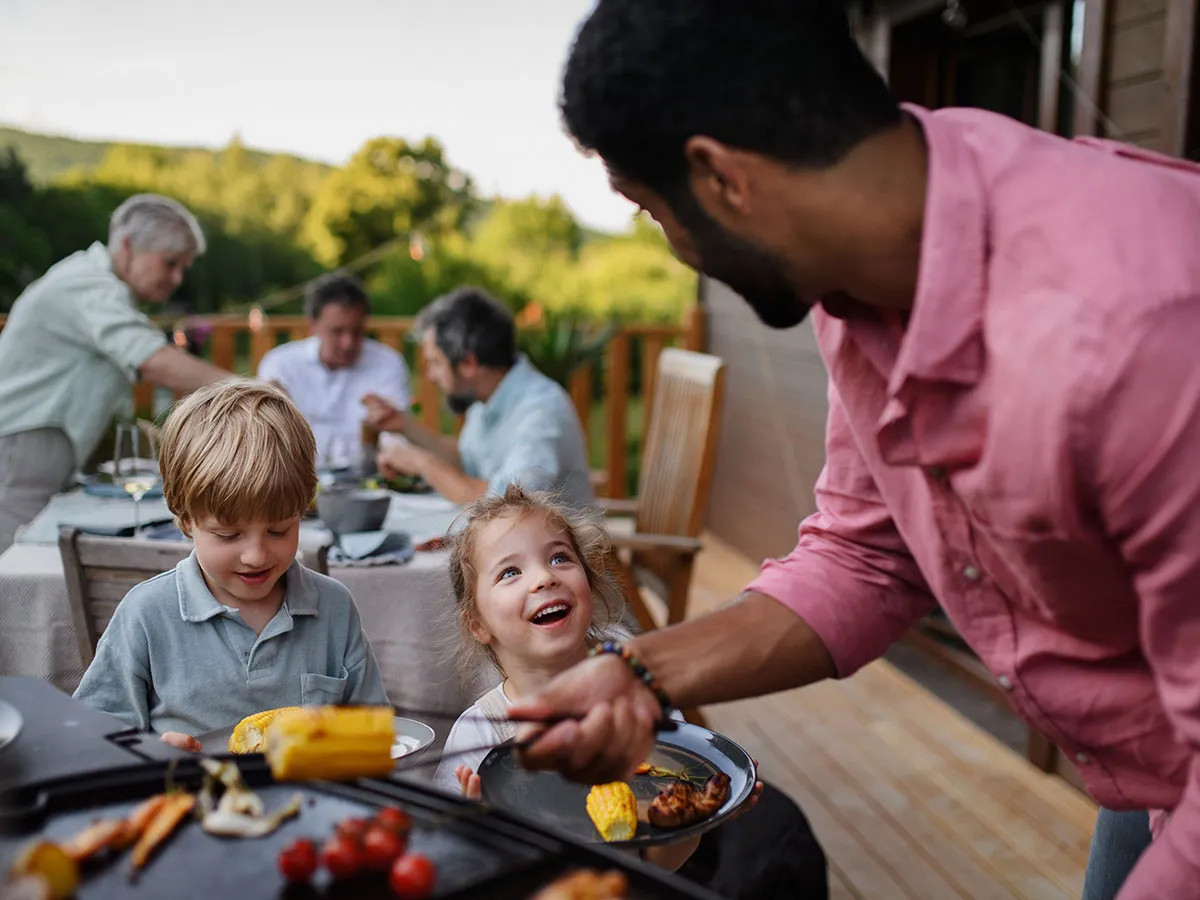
(181, 741)
(615, 735)
(401, 459)
(382, 414)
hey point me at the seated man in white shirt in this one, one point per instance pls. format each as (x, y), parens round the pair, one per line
(328, 374)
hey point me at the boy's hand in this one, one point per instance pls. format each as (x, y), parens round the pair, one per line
(470, 783)
(182, 741)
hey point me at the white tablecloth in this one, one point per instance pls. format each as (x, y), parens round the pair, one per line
(407, 610)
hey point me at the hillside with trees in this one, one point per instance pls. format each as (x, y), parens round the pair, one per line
(274, 221)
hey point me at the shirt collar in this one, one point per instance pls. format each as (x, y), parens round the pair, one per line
(197, 604)
(98, 256)
(312, 348)
(507, 390)
(932, 358)
(943, 340)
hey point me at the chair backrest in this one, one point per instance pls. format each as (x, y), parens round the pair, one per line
(100, 571)
(681, 445)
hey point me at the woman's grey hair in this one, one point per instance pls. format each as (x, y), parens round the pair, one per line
(152, 222)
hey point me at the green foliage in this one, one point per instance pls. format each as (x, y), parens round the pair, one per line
(561, 344)
(274, 221)
(402, 285)
(389, 189)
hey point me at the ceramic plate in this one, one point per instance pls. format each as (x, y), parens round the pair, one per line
(562, 805)
(10, 723)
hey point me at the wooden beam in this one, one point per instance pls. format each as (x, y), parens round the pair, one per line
(1052, 43)
(1178, 77)
(1092, 65)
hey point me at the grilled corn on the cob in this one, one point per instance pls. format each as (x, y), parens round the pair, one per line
(331, 742)
(613, 809)
(249, 736)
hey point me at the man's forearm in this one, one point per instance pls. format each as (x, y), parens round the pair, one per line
(444, 448)
(450, 481)
(176, 370)
(751, 647)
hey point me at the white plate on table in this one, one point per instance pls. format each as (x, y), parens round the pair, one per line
(11, 723)
(411, 736)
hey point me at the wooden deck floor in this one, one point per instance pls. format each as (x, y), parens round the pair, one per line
(909, 799)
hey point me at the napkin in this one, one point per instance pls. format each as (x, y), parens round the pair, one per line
(372, 548)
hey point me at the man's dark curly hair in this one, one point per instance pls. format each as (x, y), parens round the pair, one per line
(784, 78)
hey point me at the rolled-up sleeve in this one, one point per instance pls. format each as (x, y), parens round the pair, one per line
(1139, 447)
(850, 578)
(106, 322)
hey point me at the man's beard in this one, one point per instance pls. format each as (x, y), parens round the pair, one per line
(459, 403)
(756, 275)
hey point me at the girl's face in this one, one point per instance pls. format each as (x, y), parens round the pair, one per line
(533, 603)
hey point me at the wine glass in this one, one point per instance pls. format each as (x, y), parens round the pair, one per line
(136, 472)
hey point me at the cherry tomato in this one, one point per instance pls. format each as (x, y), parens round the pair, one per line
(381, 847)
(394, 818)
(341, 857)
(412, 877)
(298, 861)
(352, 829)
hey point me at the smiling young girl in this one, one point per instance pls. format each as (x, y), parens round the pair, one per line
(533, 592)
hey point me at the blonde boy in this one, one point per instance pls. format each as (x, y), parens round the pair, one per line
(239, 626)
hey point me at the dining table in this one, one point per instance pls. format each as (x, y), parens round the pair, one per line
(407, 608)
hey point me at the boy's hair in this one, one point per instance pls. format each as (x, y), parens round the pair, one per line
(586, 535)
(235, 451)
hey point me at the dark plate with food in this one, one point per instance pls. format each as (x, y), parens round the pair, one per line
(693, 780)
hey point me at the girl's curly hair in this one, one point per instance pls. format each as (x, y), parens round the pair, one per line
(587, 537)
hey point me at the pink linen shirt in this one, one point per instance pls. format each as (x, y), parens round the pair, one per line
(1025, 448)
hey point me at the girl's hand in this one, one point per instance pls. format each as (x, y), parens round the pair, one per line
(182, 741)
(470, 783)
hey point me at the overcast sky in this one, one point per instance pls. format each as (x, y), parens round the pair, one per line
(311, 77)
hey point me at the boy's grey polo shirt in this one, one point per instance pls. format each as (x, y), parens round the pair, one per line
(174, 659)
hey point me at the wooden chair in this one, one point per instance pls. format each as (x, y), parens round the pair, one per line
(100, 571)
(676, 475)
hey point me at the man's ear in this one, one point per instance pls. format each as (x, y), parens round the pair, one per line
(468, 367)
(720, 177)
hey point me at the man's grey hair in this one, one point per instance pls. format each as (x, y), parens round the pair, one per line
(470, 322)
(152, 222)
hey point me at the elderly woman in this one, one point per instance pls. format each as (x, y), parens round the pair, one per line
(75, 341)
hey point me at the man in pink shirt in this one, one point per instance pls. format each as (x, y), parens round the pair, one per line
(1011, 324)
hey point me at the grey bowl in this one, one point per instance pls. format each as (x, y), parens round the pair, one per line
(346, 510)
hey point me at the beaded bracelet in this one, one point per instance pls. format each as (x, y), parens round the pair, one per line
(640, 671)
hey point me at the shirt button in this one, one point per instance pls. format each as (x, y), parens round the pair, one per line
(1004, 682)
(1082, 758)
(971, 573)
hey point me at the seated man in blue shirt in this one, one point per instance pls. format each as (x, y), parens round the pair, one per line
(521, 427)
(239, 626)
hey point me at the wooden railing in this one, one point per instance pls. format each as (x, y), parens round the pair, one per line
(602, 398)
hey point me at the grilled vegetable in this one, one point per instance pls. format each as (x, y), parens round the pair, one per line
(172, 811)
(331, 742)
(613, 809)
(250, 734)
(50, 863)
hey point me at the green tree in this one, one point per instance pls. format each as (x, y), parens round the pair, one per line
(389, 189)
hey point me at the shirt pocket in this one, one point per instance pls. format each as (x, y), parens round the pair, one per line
(323, 690)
